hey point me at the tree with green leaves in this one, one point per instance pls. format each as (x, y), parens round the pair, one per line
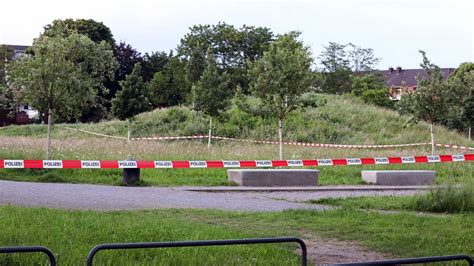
(362, 83)
(168, 86)
(6, 55)
(211, 94)
(461, 98)
(195, 63)
(429, 101)
(336, 69)
(6, 93)
(62, 76)
(133, 98)
(378, 97)
(372, 89)
(127, 57)
(96, 31)
(361, 59)
(154, 62)
(231, 48)
(281, 76)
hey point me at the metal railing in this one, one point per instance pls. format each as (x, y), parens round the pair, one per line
(423, 260)
(31, 249)
(248, 241)
(143, 245)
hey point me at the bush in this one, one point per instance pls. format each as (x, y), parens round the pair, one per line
(378, 97)
(448, 199)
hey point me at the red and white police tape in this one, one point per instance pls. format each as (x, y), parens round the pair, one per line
(305, 144)
(86, 164)
(326, 145)
(285, 142)
(172, 138)
(323, 145)
(454, 146)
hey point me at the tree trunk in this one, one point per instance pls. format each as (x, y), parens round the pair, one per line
(280, 137)
(210, 133)
(48, 145)
(469, 132)
(129, 131)
(432, 139)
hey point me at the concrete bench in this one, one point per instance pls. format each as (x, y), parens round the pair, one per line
(273, 177)
(399, 177)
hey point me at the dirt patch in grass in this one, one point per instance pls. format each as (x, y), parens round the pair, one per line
(321, 250)
(331, 251)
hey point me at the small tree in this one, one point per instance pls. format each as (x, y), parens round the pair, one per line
(281, 76)
(428, 101)
(211, 94)
(62, 75)
(133, 98)
(97, 32)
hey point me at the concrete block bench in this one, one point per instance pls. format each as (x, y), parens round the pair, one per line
(399, 177)
(273, 177)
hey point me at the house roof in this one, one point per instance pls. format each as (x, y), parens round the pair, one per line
(399, 77)
(17, 47)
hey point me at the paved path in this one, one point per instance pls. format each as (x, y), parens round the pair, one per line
(100, 197)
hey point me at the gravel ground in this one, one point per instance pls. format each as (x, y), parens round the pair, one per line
(99, 197)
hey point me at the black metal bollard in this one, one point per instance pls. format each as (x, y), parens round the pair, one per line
(131, 176)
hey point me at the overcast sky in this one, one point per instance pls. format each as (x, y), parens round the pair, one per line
(395, 29)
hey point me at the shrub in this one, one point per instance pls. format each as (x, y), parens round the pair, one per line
(378, 97)
(450, 199)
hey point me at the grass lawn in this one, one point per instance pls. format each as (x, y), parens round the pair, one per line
(444, 199)
(70, 234)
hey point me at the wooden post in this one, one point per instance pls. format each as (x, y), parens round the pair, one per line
(432, 139)
(48, 145)
(210, 133)
(280, 137)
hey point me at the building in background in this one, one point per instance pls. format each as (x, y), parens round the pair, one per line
(21, 113)
(399, 80)
(17, 50)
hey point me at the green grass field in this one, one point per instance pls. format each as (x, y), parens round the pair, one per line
(70, 234)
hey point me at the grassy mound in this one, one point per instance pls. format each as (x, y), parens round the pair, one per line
(343, 119)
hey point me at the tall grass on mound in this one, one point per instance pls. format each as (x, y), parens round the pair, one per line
(449, 199)
(343, 119)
